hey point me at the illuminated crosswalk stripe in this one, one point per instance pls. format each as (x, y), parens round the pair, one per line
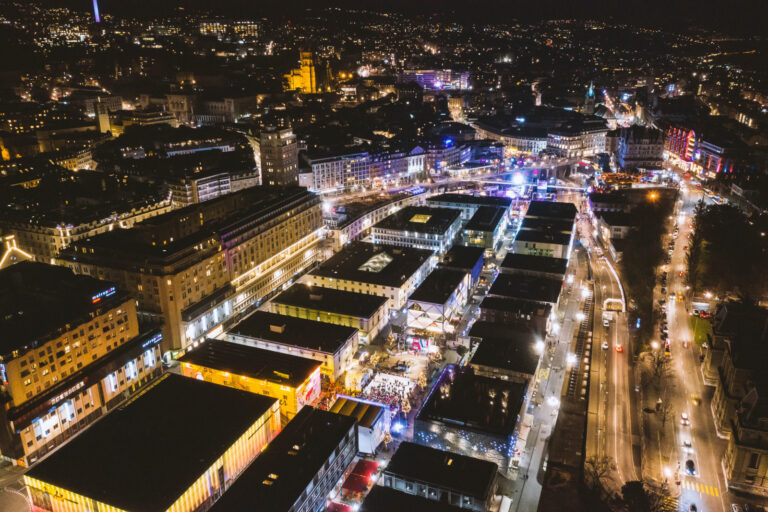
(701, 488)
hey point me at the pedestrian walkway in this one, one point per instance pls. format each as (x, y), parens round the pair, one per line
(700, 488)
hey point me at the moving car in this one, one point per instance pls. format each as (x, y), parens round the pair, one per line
(690, 467)
(684, 419)
(605, 345)
(619, 347)
(687, 444)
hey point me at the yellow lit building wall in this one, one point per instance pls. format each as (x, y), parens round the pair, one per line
(369, 327)
(302, 78)
(292, 399)
(35, 371)
(198, 496)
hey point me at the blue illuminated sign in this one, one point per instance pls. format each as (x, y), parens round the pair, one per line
(154, 340)
(102, 294)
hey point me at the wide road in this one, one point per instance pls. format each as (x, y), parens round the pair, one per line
(706, 488)
(615, 435)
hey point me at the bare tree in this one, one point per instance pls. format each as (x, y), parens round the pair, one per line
(666, 412)
(658, 497)
(596, 468)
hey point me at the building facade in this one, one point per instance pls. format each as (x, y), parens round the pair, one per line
(279, 157)
(196, 276)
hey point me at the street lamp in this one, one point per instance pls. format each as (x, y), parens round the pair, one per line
(655, 345)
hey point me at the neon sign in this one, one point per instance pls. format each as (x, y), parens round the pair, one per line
(154, 340)
(102, 294)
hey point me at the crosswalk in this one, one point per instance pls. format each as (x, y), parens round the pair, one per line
(700, 488)
(670, 504)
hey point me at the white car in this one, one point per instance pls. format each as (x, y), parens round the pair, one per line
(605, 345)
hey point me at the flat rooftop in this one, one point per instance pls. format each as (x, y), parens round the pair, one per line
(552, 210)
(385, 265)
(554, 225)
(341, 302)
(420, 219)
(145, 455)
(38, 301)
(486, 218)
(279, 476)
(365, 413)
(503, 202)
(618, 218)
(544, 237)
(252, 362)
(447, 470)
(463, 257)
(520, 286)
(506, 348)
(513, 261)
(466, 405)
(438, 286)
(386, 499)
(296, 332)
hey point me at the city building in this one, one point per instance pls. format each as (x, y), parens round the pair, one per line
(473, 415)
(352, 221)
(373, 421)
(467, 259)
(47, 231)
(517, 140)
(436, 79)
(543, 243)
(578, 140)
(293, 380)
(303, 78)
(518, 313)
(526, 287)
(179, 447)
(740, 340)
(196, 267)
(438, 300)
(745, 462)
(298, 470)
(640, 148)
(486, 228)
(418, 227)
(468, 204)
(353, 171)
(334, 346)
(551, 210)
(207, 185)
(442, 476)
(384, 270)
(386, 499)
(71, 351)
(506, 352)
(541, 266)
(279, 157)
(367, 313)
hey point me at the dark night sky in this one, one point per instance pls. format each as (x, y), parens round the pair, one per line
(742, 16)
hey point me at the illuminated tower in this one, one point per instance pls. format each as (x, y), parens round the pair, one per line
(303, 78)
(589, 100)
(96, 16)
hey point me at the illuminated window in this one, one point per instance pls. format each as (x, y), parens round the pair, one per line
(149, 358)
(131, 372)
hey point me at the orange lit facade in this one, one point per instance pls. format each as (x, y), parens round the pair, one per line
(292, 398)
(198, 497)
